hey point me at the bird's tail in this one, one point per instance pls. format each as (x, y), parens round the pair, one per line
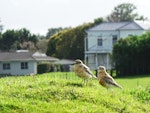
(117, 85)
(94, 77)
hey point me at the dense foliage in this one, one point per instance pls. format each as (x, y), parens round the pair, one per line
(18, 39)
(43, 68)
(131, 55)
(68, 43)
(52, 31)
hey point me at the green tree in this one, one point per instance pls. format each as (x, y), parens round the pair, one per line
(52, 31)
(124, 12)
(42, 45)
(26, 39)
(18, 39)
(8, 39)
(33, 38)
(98, 21)
(24, 35)
(68, 43)
(51, 50)
(131, 55)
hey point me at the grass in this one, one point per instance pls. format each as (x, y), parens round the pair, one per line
(65, 93)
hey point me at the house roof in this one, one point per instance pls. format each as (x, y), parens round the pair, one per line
(144, 24)
(14, 56)
(24, 56)
(65, 62)
(133, 25)
(43, 57)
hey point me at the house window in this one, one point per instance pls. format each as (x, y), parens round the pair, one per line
(6, 66)
(24, 65)
(114, 39)
(130, 35)
(99, 42)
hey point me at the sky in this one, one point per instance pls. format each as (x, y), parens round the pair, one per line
(39, 15)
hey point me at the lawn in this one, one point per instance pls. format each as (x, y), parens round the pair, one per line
(64, 92)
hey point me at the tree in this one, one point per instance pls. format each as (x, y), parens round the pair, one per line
(24, 35)
(98, 21)
(29, 45)
(131, 55)
(52, 31)
(8, 39)
(42, 45)
(68, 43)
(18, 39)
(26, 39)
(124, 12)
(33, 38)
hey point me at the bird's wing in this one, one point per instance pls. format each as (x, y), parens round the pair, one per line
(111, 81)
(87, 70)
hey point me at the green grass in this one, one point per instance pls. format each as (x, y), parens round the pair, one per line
(65, 93)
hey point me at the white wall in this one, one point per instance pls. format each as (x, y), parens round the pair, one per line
(126, 33)
(107, 40)
(15, 68)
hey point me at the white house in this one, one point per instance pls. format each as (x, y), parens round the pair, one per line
(101, 38)
(21, 62)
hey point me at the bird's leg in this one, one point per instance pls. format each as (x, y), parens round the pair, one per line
(111, 91)
(85, 81)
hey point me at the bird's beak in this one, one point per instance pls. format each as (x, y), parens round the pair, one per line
(73, 63)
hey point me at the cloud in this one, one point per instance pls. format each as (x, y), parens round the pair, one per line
(15, 2)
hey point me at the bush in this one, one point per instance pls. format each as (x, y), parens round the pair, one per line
(43, 68)
(131, 55)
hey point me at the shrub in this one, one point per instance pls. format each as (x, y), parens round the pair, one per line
(131, 55)
(43, 68)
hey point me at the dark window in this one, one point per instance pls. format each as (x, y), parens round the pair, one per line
(115, 38)
(99, 42)
(6, 66)
(24, 65)
(130, 35)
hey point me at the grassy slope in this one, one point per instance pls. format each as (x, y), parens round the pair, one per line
(65, 93)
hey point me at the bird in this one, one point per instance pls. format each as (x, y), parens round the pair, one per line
(82, 70)
(105, 79)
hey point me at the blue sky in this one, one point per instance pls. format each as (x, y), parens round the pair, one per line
(39, 15)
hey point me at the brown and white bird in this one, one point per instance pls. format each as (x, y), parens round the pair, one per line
(82, 70)
(105, 79)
